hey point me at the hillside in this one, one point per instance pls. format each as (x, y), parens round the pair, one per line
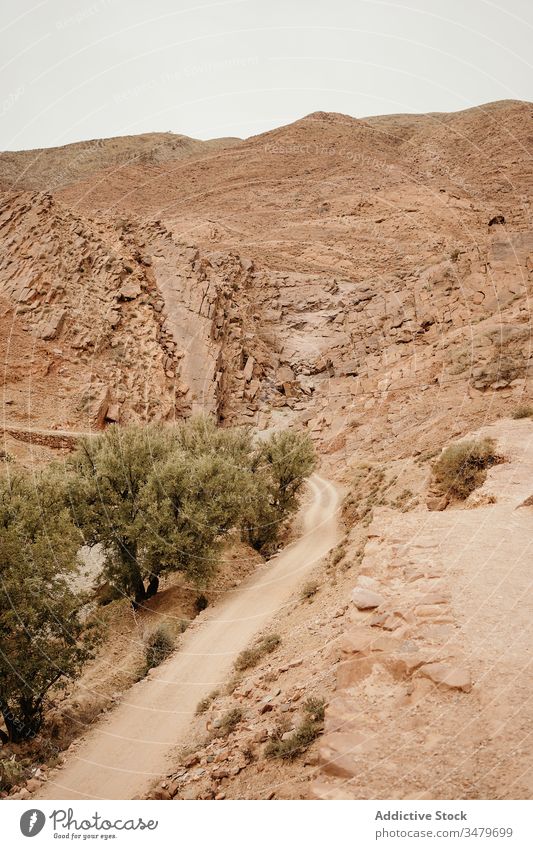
(48, 169)
(317, 273)
(368, 281)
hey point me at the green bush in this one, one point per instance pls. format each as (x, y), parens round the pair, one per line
(280, 467)
(462, 467)
(44, 638)
(159, 644)
(12, 772)
(251, 657)
(161, 499)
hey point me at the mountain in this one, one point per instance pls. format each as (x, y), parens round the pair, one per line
(365, 278)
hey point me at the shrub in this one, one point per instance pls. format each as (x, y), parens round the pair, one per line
(290, 746)
(525, 411)
(12, 772)
(461, 467)
(315, 708)
(228, 723)
(309, 590)
(158, 646)
(251, 657)
(205, 704)
(201, 603)
(338, 554)
(296, 743)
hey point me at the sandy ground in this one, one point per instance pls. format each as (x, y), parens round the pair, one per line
(124, 754)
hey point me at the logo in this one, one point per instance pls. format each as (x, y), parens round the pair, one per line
(32, 822)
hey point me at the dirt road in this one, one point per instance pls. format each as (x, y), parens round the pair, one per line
(123, 755)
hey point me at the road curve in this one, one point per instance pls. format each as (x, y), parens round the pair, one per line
(122, 756)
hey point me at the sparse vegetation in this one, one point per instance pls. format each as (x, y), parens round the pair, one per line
(287, 746)
(337, 555)
(228, 723)
(309, 590)
(524, 411)
(159, 644)
(367, 491)
(462, 467)
(251, 657)
(205, 704)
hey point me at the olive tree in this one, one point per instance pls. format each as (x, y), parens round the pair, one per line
(160, 499)
(281, 464)
(42, 639)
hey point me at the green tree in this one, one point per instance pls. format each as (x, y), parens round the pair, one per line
(160, 499)
(280, 465)
(41, 635)
(108, 501)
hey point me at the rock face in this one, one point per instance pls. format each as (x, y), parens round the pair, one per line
(392, 274)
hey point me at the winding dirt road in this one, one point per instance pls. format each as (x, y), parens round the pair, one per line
(126, 752)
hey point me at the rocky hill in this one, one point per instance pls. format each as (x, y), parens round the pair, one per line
(368, 279)
(48, 169)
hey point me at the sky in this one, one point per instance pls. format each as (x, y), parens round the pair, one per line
(72, 70)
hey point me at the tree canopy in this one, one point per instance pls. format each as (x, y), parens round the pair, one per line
(40, 626)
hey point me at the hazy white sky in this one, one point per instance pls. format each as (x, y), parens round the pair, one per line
(82, 69)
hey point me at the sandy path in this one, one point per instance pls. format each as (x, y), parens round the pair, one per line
(126, 752)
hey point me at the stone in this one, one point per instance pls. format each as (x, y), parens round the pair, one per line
(351, 672)
(53, 325)
(366, 599)
(248, 370)
(340, 753)
(129, 290)
(448, 675)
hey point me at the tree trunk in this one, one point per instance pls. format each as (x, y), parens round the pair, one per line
(134, 579)
(26, 723)
(153, 586)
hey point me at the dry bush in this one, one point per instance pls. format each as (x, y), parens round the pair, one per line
(251, 657)
(302, 737)
(462, 467)
(367, 491)
(158, 645)
(309, 590)
(205, 704)
(228, 723)
(524, 411)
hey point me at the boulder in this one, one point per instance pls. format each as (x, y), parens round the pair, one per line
(448, 675)
(366, 599)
